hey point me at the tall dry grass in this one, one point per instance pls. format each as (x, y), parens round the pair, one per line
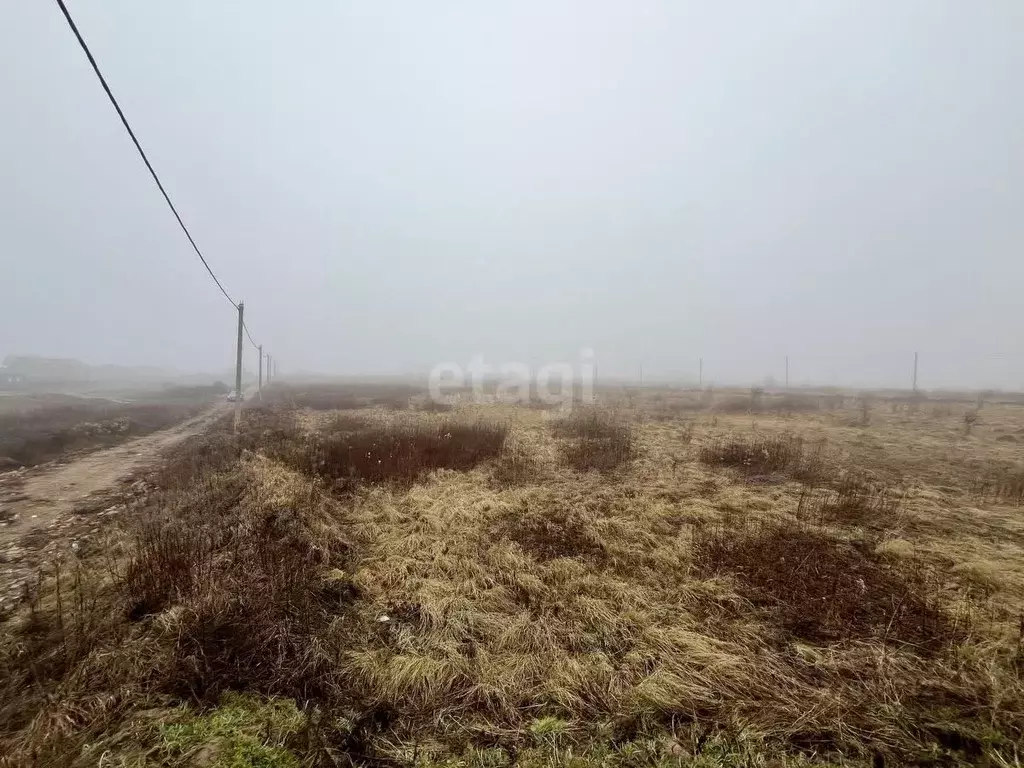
(401, 453)
(595, 439)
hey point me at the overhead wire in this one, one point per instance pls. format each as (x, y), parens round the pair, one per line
(257, 346)
(138, 146)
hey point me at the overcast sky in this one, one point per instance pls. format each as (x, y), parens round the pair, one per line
(389, 185)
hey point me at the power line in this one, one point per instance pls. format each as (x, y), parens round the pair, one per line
(249, 335)
(138, 146)
(149, 165)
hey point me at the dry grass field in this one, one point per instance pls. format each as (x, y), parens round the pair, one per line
(666, 578)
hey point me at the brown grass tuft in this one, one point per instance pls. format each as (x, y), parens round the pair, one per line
(764, 455)
(1000, 485)
(852, 500)
(596, 440)
(402, 453)
(516, 465)
(823, 589)
(548, 532)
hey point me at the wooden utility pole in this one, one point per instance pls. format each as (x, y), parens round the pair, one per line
(914, 380)
(270, 369)
(260, 348)
(238, 365)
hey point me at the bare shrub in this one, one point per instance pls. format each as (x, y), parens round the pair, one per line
(67, 615)
(864, 404)
(756, 398)
(970, 419)
(821, 589)
(165, 565)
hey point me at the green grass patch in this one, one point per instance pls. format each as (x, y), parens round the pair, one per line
(241, 732)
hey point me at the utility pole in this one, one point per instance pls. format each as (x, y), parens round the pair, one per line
(270, 369)
(260, 348)
(914, 381)
(238, 366)
(787, 371)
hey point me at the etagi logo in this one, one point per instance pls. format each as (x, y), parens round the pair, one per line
(553, 384)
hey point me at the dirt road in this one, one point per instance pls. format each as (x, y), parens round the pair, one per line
(40, 509)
